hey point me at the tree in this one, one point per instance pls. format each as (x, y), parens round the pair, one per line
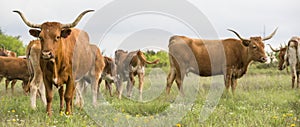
(12, 43)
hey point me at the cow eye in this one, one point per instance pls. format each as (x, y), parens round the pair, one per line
(254, 46)
(58, 37)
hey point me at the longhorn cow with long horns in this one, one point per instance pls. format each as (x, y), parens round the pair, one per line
(228, 57)
(66, 58)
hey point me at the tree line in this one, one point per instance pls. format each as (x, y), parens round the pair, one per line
(12, 43)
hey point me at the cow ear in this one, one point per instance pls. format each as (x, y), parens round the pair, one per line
(65, 33)
(35, 32)
(246, 42)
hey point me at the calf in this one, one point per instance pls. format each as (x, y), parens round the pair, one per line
(129, 65)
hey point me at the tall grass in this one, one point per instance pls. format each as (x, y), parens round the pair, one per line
(263, 98)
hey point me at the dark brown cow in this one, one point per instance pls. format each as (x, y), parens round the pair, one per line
(65, 57)
(282, 52)
(8, 53)
(15, 69)
(229, 57)
(33, 55)
(109, 74)
(129, 65)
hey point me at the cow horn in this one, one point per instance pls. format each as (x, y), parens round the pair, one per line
(70, 25)
(273, 49)
(238, 35)
(270, 36)
(27, 22)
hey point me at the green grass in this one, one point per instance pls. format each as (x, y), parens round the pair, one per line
(263, 98)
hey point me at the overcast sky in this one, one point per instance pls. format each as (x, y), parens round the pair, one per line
(248, 17)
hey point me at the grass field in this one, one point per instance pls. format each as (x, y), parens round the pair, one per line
(263, 98)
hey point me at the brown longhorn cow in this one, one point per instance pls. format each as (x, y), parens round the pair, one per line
(96, 74)
(13, 68)
(228, 57)
(8, 53)
(109, 74)
(66, 57)
(129, 65)
(282, 52)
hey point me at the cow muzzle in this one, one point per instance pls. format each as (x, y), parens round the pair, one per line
(263, 59)
(47, 55)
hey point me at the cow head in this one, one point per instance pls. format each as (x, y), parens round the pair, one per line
(281, 56)
(119, 55)
(51, 34)
(255, 46)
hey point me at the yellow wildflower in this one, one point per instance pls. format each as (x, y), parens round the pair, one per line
(295, 118)
(289, 114)
(293, 125)
(178, 125)
(14, 120)
(275, 117)
(61, 113)
(115, 119)
(13, 111)
(283, 115)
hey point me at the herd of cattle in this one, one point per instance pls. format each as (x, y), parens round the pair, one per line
(63, 54)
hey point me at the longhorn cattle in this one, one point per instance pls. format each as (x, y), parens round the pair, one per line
(281, 55)
(109, 74)
(228, 57)
(129, 65)
(8, 53)
(14, 69)
(92, 77)
(290, 57)
(66, 57)
(33, 54)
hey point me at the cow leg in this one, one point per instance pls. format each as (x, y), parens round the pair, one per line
(6, 84)
(13, 83)
(228, 79)
(120, 87)
(98, 87)
(293, 70)
(70, 89)
(130, 84)
(298, 81)
(141, 85)
(179, 81)
(33, 94)
(79, 89)
(42, 92)
(108, 87)
(170, 80)
(94, 90)
(61, 99)
(49, 96)
(233, 85)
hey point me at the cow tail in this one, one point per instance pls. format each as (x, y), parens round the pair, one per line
(29, 64)
(141, 56)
